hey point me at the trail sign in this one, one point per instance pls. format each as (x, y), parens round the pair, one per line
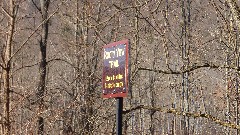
(115, 69)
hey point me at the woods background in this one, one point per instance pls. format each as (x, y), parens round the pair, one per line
(184, 66)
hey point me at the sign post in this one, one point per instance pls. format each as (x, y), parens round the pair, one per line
(115, 76)
(119, 115)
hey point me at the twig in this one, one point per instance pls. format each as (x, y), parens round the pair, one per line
(2, 66)
(190, 68)
(4, 10)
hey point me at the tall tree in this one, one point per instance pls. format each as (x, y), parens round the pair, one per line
(43, 63)
(7, 67)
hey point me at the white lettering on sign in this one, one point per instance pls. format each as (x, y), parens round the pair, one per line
(117, 52)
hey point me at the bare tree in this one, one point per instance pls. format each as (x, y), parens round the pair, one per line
(6, 66)
(184, 62)
(43, 63)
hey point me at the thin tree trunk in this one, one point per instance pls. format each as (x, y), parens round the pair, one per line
(1, 117)
(88, 91)
(43, 64)
(6, 86)
(6, 71)
(237, 81)
(185, 76)
(227, 111)
(133, 94)
(152, 93)
(235, 11)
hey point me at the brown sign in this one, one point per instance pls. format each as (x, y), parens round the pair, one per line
(115, 69)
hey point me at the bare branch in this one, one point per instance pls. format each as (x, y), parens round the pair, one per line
(27, 66)
(122, 9)
(57, 59)
(219, 12)
(190, 68)
(146, 19)
(2, 66)
(136, 6)
(36, 6)
(5, 11)
(189, 114)
(29, 37)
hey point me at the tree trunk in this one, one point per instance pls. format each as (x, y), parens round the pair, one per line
(235, 11)
(1, 117)
(6, 71)
(43, 64)
(185, 57)
(237, 81)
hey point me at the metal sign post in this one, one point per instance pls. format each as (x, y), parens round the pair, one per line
(115, 76)
(119, 115)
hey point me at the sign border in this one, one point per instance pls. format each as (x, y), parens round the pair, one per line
(126, 42)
